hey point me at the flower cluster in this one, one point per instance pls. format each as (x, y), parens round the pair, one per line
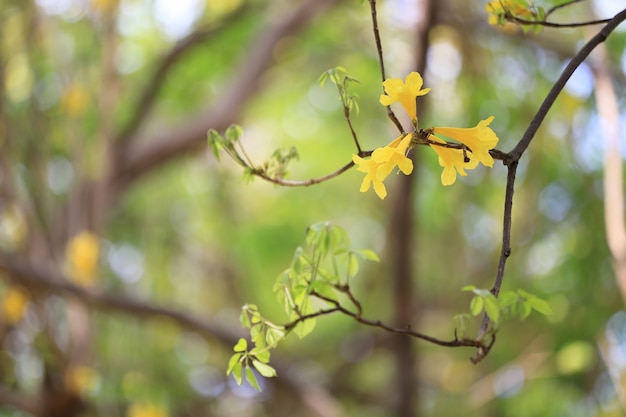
(471, 148)
(382, 162)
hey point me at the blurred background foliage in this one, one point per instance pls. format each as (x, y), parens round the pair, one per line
(189, 235)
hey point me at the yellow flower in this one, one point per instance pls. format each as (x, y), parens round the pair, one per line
(480, 139)
(404, 93)
(382, 162)
(14, 304)
(452, 160)
(82, 258)
(146, 410)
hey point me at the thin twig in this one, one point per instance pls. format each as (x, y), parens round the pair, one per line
(560, 6)
(578, 59)
(306, 183)
(155, 84)
(398, 330)
(556, 25)
(513, 157)
(346, 113)
(379, 49)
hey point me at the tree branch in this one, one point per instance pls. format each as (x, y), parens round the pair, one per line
(147, 153)
(45, 279)
(578, 59)
(379, 49)
(153, 87)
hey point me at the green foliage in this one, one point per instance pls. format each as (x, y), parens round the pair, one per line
(510, 304)
(244, 360)
(275, 167)
(342, 79)
(320, 270)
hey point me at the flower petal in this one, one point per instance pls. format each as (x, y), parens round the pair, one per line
(386, 100)
(479, 139)
(380, 189)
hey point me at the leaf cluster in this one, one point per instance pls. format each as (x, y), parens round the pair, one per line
(319, 274)
(275, 167)
(342, 79)
(510, 304)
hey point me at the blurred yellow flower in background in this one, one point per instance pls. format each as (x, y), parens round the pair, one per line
(75, 100)
(146, 410)
(81, 379)
(14, 303)
(82, 256)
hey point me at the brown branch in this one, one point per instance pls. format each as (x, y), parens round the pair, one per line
(407, 331)
(560, 6)
(149, 94)
(556, 25)
(578, 59)
(522, 145)
(147, 153)
(44, 279)
(305, 183)
(379, 49)
(19, 401)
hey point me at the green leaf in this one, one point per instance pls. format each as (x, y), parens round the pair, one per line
(540, 306)
(273, 336)
(257, 335)
(508, 298)
(325, 289)
(243, 318)
(237, 373)
(264, 369)
(215, 142)
(307, 326)
(369, 255)
(323, 78)
(232, 363)
(241, 346)
(353, 265)
(263, 356)
(338, 239)
(476, 305)
(233, 133)
(468, 288)
(251, 378)
(536, 303)
(492, 308)
(460, 323)
(248, 175)
(524, 309)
